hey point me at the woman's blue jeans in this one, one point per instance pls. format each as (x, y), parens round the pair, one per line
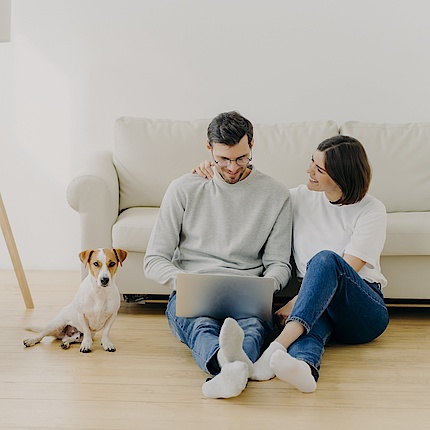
(335, 301)
(201, 335)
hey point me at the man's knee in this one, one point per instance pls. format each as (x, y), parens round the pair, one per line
(254, 326)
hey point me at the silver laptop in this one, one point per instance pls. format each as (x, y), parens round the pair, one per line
(222, 296)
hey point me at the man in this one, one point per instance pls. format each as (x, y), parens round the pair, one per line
(237, 223)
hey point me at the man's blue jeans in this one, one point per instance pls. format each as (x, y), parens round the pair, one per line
(201, 335)
(335, 300)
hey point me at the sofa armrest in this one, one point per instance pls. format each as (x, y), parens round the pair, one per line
(94, 192)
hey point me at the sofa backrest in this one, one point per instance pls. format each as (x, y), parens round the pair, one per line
(400, 157)
(149, 153)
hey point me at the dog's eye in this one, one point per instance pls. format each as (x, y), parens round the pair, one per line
(96, 264)
(111, 264)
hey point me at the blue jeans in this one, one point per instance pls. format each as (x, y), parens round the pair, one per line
(201, 336)
(335, 301)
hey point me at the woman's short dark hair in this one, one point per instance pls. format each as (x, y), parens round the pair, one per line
(347, 164)
(229, 128)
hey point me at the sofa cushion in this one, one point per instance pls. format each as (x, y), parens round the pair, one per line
(149, 153)
(399, 155)
(284, 151)
(133, 228)
(408, 233)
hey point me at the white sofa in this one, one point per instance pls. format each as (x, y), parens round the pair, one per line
(117, 193)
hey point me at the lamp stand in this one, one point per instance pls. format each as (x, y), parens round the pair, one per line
(14, 256)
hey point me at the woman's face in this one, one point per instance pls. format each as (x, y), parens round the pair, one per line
(319, 179)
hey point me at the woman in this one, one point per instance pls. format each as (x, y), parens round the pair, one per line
(338, 235)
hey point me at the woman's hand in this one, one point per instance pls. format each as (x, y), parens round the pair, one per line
(283, 313)
(204, 169)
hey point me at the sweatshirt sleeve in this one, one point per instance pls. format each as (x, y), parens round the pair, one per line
(277, 252)
(164, 239)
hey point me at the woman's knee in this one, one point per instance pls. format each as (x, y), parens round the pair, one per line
(325, 258)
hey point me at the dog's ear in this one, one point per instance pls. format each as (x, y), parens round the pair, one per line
(85, 256)
(121, 255)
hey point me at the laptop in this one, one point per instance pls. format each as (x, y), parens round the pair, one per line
(222, 296)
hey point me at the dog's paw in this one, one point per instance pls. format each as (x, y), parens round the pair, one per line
(86, 346)
(65, 345)
(108, 346)
(29, 342)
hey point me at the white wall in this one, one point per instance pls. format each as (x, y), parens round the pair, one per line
(74, 66)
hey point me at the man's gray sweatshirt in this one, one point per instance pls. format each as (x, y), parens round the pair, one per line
(210, 226)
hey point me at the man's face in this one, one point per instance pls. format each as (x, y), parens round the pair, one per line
(229, 155)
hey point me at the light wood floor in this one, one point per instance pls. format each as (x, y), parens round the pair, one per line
(152, 382)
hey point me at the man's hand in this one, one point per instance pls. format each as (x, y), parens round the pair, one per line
(283, 313)
(204, 169)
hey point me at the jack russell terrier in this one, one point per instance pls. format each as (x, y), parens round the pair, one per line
(94, 307)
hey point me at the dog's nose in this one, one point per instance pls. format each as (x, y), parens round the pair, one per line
(104, 281)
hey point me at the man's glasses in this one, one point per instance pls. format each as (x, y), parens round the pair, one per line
(224, 162)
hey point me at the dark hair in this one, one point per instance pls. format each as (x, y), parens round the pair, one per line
(229, 128)
(347, 164)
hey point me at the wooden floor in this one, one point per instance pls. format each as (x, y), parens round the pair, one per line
(152, 382)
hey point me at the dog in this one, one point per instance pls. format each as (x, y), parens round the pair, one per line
(94, 307)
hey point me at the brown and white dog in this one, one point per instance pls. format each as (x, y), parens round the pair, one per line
(94, 307)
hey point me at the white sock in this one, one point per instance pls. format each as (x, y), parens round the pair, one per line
(230, 343)
(262, 369)
(295, 372)
(229, 383)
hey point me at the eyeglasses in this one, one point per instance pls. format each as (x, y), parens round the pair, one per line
(224, 162)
